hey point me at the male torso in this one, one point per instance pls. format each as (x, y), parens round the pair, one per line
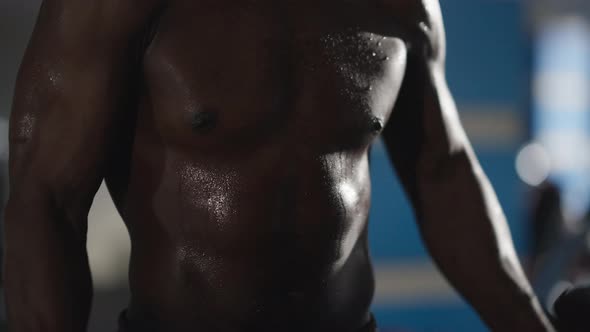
(234, 138)
(247, 188)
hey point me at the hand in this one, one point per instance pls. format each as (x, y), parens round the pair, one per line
(572, 309)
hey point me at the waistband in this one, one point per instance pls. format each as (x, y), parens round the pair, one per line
(371, 326)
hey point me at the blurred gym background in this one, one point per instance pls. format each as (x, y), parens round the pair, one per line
(520, 73)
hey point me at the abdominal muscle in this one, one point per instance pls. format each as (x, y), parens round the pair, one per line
(262, 242)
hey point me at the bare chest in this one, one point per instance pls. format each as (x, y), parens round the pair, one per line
(230, 71)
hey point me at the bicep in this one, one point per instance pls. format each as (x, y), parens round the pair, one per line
(69, 89)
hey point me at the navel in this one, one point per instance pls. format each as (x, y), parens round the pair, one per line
(203, 121)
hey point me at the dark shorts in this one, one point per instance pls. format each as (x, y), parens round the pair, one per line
(123, 326)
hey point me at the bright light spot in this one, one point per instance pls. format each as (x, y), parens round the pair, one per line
(533, 164)
(349, 194)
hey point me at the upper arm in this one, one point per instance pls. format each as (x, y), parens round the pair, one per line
(424, 135)
(70, 86)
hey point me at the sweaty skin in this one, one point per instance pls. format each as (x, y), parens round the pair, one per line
(234, 137)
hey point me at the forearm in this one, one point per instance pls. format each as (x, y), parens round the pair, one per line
(466, 233)
(47, 279)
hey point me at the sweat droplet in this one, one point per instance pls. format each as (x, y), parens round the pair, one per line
(424, 27)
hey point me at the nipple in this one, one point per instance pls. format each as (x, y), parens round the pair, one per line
(376, 125)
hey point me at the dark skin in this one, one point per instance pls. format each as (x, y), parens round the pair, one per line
(234, 139)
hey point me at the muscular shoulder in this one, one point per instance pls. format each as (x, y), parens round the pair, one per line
(424, 23)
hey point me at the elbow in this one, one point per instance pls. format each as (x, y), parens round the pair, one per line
(435, 167)
(452, 186)
(31, 202)
(440, 177)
